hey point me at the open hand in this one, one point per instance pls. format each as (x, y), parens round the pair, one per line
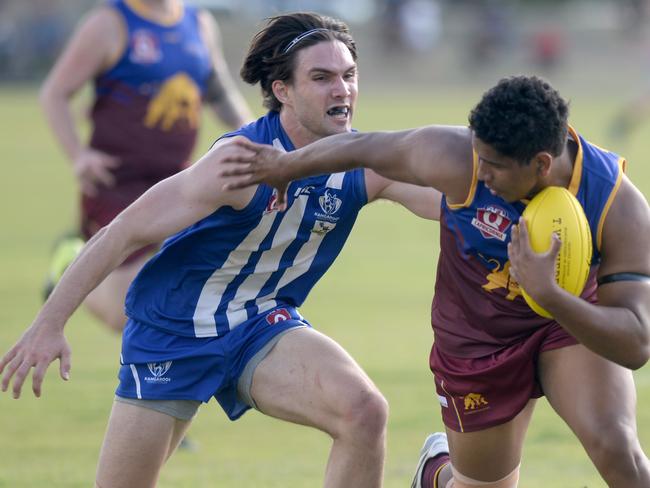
(254, 164)
(535, 272)
(93, 169)
(39, 346)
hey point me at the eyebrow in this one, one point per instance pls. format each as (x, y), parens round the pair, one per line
(493, 163)
(330, 71)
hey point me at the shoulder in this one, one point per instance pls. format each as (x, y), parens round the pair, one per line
(626, 231)
(208, 26)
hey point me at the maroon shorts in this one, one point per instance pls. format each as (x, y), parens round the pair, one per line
(100, 210)
(478, 393)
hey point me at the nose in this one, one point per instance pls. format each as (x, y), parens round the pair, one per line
(482, 173)
(340, 88)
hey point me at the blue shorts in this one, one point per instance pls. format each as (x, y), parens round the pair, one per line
(157, 365)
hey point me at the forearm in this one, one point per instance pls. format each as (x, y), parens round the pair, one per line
(384, 152)
(232, 111)
(616, 333)
(104, 252)
(59, 117)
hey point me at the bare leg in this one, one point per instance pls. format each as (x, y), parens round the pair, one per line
(490, 454)
(598, 402)
(308, 379)
(136, 445)
(106, 302)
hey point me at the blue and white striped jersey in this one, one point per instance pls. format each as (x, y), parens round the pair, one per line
(235, 264)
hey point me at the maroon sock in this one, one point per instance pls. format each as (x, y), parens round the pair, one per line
(432, 469)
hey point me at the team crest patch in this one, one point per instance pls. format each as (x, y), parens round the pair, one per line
(492, 222)
(145, 47)
(158, 370)
(272, 204)
(329, 202)
(279, 315)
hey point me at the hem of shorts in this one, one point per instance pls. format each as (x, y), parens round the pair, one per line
(173, 397)
(487, 425)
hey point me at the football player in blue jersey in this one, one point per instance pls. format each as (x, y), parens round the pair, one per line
(153, 64)
(214, 312)
(493, 356)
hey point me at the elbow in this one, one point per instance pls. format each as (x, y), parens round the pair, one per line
(637, 362)
(640, 355)
(47, 95)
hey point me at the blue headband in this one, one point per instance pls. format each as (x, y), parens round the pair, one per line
(301, 37)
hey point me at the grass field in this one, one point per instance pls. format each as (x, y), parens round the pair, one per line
(375, 302)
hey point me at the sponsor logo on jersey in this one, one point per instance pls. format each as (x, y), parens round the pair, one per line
(475, 402)
(145, 47)
(278, 315)
(492, 222)
(158, 370)
(322, 227)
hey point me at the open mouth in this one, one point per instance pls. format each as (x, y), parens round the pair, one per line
(339, 112)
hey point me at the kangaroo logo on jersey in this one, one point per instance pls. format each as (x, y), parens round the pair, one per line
(329, 203)
(158, 371)
(178, 99)
(492, 222)
(279, 315)
(145, 48)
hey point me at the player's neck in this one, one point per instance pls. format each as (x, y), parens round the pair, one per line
(299, 135)
(563, 165)
(161, 11)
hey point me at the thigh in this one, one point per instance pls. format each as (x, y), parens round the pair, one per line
(308, 378)
(493, 453)
(589, 392)
(137, 443)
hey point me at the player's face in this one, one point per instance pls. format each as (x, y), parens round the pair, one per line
(505, 177)
(322, 93)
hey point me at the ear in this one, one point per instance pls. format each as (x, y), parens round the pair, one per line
(543, 160)
(280, 90)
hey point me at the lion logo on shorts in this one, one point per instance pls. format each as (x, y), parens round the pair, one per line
(474, 401)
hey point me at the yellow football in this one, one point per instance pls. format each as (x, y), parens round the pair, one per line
(555, 210)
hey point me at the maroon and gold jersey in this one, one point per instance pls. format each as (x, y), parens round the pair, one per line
(147, 107)
(477, 307)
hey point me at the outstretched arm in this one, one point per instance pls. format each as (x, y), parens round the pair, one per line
(196, 192)
(618, 326)
(434, 156)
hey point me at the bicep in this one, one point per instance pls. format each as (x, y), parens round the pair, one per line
(182, 200)
(422, 201)
(436, 156)
(625, 234)
(165, 209)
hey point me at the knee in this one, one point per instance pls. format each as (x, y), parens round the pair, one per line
(617, 454)
(364, 416)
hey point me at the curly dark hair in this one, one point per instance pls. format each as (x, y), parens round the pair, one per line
(272, 54)
(520, 117)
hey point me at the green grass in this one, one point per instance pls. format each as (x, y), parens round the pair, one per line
(375, 302)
